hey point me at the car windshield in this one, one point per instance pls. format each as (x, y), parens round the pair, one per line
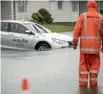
(38, 28)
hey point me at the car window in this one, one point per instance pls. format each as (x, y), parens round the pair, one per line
(41, 30)
(31, 26)
(4, 26)
(17, 28)
(38, 28)
(44, 29)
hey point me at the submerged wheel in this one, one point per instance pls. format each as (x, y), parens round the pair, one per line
(43, 47)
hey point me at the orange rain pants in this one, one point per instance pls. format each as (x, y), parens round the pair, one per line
(89, 68)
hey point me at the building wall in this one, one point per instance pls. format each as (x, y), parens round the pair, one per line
(0, 10)
(101, 5)
(6, 10)
(63, 15)
(32, 6)
(66, 14)
(83, 6)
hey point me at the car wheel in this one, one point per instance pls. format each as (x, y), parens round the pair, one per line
(43, 47)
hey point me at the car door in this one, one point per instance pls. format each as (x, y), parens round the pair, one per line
(5, 42)
(19, 38)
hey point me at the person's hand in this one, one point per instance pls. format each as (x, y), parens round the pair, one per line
(102, 49)
(74, 46)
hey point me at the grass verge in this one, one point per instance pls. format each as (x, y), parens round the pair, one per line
(59, 27)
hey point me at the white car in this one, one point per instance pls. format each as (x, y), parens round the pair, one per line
(28, 35)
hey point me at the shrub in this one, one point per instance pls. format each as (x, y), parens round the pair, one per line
(46, 15)
(37, 16)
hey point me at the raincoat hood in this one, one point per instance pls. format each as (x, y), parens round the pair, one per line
(92, 4)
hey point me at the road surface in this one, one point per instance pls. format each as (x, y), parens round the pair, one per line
(50, 72)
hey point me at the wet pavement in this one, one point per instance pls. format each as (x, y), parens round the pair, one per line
(50, 72)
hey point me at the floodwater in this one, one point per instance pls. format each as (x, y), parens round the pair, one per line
(49, 72)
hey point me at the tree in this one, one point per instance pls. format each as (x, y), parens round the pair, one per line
(46, 15)
(37, 16)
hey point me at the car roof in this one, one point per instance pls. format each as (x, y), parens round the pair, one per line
(17, 21)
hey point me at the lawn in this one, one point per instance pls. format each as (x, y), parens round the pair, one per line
(59, 28)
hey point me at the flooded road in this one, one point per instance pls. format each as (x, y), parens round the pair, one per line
(50, 72)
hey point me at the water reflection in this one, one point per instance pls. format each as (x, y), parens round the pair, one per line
(54, 76)
(92, 90)
(83, 90)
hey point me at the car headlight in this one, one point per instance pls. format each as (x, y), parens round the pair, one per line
(59, 41)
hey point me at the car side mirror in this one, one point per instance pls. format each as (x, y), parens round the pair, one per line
(29, 32)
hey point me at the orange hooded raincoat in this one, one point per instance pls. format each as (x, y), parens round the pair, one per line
(89, 28)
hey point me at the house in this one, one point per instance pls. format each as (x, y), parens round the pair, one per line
(61, 10)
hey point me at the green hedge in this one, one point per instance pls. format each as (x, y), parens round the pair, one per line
(37, 16)
(46, 15)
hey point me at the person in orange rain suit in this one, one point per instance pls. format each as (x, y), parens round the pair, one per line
(89, 28)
